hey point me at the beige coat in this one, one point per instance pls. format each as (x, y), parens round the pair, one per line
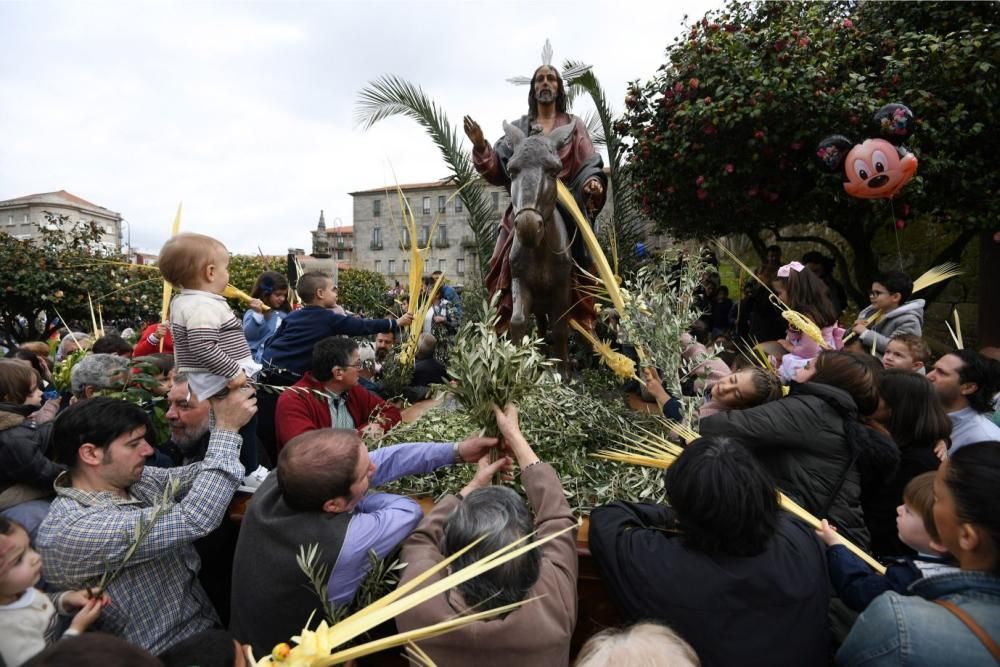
(537, 634)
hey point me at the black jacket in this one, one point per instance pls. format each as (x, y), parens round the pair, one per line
(769, 609)
(811, 441)
(22, 456)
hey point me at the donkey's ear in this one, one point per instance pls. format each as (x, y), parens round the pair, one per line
(561, 136)
(513, 134)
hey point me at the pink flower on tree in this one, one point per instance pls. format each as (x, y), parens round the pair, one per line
(730, 168)
(702, 194)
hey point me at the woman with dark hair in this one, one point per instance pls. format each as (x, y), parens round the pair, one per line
(813, 441)
(271, 290)
(916, 420)
(536, 634)
(950, 619)
(739, 580)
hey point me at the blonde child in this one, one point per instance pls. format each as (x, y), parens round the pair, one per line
(908, 352)
(209, 344)
(803, 291)
(27, 615)
(857, 584)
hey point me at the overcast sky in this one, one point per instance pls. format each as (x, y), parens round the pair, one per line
(245, 110)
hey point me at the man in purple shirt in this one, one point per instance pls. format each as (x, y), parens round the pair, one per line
(319, 494)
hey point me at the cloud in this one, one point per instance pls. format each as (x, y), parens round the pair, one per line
(245, 110)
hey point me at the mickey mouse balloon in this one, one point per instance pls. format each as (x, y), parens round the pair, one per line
(879, 167)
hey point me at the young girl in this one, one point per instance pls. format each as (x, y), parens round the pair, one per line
(802, 291)
(26, 475)
(27, 615)
(271, 290)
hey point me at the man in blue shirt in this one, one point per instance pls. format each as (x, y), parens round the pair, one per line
(319, 494)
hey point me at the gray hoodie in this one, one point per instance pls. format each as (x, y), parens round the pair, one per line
(908, 318)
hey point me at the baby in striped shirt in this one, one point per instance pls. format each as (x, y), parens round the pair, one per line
(209, 345)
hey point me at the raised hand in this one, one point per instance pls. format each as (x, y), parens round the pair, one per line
(474, 133)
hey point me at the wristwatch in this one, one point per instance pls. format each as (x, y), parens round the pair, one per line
(456, 455)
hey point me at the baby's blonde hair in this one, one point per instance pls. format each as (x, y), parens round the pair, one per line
(184, 257)
(642, 645)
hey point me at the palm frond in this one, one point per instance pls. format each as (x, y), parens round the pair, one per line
(629, 224)
(390, 96)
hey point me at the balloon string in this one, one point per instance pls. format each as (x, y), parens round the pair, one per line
(895, 230)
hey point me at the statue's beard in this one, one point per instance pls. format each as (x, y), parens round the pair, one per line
(546, 96)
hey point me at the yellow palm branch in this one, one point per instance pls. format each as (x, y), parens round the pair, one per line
(644, 456)
(314, 646)
(795, 319)
(619, 364)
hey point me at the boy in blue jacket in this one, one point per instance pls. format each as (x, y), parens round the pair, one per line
(855, 582)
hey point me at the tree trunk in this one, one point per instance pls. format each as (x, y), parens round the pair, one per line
(989, 299)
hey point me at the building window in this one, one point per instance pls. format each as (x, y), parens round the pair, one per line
(441, 203)
(458, 205)
(427, 205)
(496, 200)
(406, 239)
(392, 267)
(10, 221)
(460, 267)
(25, 218)
(425, 235)
(340, 240)
(378, 266)
(406, 266)
(443, 235)
(376, 208)
(340, 254)
(376, 238)
(443, 265)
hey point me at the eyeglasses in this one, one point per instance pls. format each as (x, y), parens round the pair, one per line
(346, 366)
(875, 293)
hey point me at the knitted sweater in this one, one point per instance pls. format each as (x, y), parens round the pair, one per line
(208, 338)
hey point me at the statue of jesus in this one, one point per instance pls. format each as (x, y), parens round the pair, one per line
(582, 173)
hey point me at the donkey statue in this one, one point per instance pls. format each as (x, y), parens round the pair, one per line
(541, 261)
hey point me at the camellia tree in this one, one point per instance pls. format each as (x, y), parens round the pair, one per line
(363, 291)
(724, 138)
(51, 277)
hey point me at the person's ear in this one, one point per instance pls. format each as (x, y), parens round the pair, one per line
(969, 538)
(968, 388)
(897, 298)
(88, 392)
(335, 505)
(917, 365)
(90, 454)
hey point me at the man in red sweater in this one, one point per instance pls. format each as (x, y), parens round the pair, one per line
(330, 396)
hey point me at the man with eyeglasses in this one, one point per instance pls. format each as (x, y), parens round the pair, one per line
(330, 396)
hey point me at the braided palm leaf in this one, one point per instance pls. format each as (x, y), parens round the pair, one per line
(390, 96)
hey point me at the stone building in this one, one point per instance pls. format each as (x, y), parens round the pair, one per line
(378, 245)
(381, 243)
(22, 217)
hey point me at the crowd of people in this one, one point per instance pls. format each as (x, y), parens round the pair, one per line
(105, 526)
